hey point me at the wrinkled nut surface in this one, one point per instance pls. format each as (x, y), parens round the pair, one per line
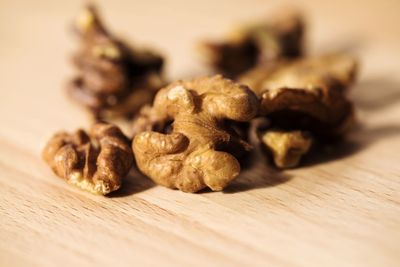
(150, 119)
(307, 94)
(259, 43)
(286, 147)
(96, 162)
(200, 147)
(114, 79)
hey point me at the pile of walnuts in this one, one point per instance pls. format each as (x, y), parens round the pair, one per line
(192, 134)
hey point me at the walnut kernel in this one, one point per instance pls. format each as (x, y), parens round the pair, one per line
(96, 162)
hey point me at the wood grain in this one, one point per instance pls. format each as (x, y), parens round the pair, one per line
(341, 209)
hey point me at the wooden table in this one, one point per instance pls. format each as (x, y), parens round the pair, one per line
(341, 209)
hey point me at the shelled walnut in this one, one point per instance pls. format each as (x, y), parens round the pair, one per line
(306, 95)
(250, 45)
(200, 147)
(96, 162)
(114, 79)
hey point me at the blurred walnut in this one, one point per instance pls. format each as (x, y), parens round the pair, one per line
(199, 150)
(95, 162)
(114, 79)
(279, 37)
(304, 95)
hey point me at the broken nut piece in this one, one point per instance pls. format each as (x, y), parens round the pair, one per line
(96, 162)
(305, 95)
(200, 148)
(308, 94)
(114, 79)
(286, 147)
(250, 45)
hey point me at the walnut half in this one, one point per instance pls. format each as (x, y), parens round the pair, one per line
(96, 162)
(201, 148)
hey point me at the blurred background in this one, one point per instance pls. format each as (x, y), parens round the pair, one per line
(36, 40)
(36, 44)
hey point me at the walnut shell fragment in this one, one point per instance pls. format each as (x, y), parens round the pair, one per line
(304, 95)
(114, 79)
(249, 45)
(200, 149)
(96, 162)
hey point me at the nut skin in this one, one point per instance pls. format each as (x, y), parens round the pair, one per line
(280, 37)
(114, 79)
(306, 95)
(96, 162)
(200, 149)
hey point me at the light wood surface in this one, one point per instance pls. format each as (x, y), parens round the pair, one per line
(341, 209)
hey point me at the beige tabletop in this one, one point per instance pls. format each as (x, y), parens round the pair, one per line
(341, 209)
